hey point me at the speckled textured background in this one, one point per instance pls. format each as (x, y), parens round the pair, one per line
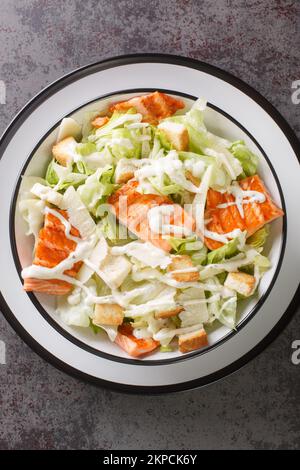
(258, 407)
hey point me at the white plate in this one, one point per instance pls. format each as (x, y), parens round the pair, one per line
(235, 111)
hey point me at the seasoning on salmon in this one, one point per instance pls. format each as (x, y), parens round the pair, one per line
(133, 346)
(132, 208)
(53, 247)
(154, 106)
(226, 219)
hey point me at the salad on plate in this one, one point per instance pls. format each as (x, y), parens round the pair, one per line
(147, 226)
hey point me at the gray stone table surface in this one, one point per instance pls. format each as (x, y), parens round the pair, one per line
(257, 407)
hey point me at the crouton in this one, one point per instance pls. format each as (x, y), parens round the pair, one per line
(191, 341)
(124, 171)
(193, 179)
(99, 121)
(64, 151)
(108, 314)
(183, 262)
(176, 133)
(240, 282)
(68, 128)
(168, 313)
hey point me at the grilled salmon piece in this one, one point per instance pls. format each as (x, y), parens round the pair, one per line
(132, 207)
(133, 346)
(53, 247)
(99, 121)
(154, 106)
(256, 215)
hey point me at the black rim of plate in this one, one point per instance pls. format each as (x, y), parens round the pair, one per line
(131, 361)
(190, 63)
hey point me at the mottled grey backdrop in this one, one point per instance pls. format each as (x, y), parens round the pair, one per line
(258, 407)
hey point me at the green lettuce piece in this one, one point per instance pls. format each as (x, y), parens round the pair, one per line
(165, 186)
(164, 142)
(96, 188)
(51, 175)
(219, 177)
(86, 148)
(227, 312)
(165, 349)
(117, 234)
(262, 262)
(182, 245)
(122, 143)
(248, 159)
(259, 238)
(118, 119)
(95, 328)
(224, 252)
(64, 176)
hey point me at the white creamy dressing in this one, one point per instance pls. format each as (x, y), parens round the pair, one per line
(199, 202)
(196, 167)
(242, 197)
(138, 125)
(158, 218)
(169, 165)
(47, 194)
(185, 270)
(65, 223)
(230, 265)
(146, 253)
(223, 237)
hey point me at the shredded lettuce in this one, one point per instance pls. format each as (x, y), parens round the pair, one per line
(259, 238)
(73, 309)
(224, 252)
(248, 159)
(183, 245)
(62, 177)
(32, 210)
(227, 312)
(96, 187)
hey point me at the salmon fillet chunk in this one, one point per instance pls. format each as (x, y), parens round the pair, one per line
(131, 208)
(227, 219)
(53, 247)
(154, 106)
(133, 346)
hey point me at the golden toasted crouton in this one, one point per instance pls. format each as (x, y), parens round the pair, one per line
(192, 178)
(176, 133)
(191, 341)
(168, 313)
(108, 314)
(99, 121)
(64, 150)
(124, 171)
(183, 262)
(240, 282)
